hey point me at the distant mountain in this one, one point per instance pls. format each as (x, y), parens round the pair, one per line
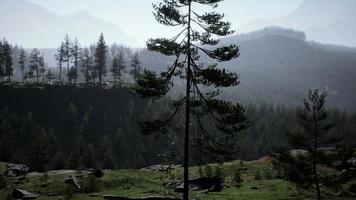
(279, 66)
(326, 21)
(30, 25)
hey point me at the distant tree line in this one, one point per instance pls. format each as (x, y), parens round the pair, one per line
(96, 64)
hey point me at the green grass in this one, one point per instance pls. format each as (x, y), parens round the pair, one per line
(131, 183)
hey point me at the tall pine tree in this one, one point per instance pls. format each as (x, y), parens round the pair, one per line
(100, 58)
(230, 118)
(76, 49)
(86, 65)
(7, 60)
(35, 58)
(60, 57)
(22, 62)
(135, 66)
(67, 45)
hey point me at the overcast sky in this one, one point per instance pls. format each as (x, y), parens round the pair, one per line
(135, 16)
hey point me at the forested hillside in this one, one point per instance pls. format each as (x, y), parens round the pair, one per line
(92, 127)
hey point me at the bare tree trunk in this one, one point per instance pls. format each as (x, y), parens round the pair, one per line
(187, 116)
(315, 148)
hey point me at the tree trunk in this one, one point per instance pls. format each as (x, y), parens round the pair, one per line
(315, 148)
(187, 117)
(68, 70)
(60, 71)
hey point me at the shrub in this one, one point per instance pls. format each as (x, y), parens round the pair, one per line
(44, 178)
(68, 192)
(241, 163)
(92, 184)
(237, 177)
(258, 175)
(220, 173)
(268, 174)
(208, 171)
(3, 181)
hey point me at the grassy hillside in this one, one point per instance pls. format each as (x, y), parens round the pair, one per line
(139, 183)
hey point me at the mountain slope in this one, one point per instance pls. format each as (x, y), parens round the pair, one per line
(32, 26)
(326, 21)
(279, 66)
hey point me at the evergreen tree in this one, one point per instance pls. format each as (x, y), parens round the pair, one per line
(42, 66)
(314, 138)
(22, 62)
(67, 46)
(100, 58)
(1, 61)
(35, 60)
(118, 67)
(230, 118)
(76, 49)
(7, 60)
(58, 161)
(49, 76)
(115, 71)
(60, 57)
(40, 151)
(87, 65)
(135, 66)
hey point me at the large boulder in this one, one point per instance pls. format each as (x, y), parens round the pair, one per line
(73, 181)
(22, 194)
(13, 170)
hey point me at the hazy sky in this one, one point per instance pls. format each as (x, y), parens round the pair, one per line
(135, 16)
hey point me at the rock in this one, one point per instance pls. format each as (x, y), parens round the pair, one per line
(97, 173)
(254, 188)
(115, 197)
(161, 168)
(213, 184)
(22, 194)
(172, 185)
(352, 162)
(208, 184)
(72, 180)
(14, 170)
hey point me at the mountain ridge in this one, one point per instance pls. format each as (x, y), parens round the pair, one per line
(325, 21)
(45, 29)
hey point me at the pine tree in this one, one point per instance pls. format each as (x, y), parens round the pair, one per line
(7, 60)
(60, 57)
(40, 150)
(312, 137)
(87, 65)
(1, 61)
(118, 67)
(230, 118)
(100, 58)
(35, 58)
(49, 76)
(67, 46)
(115, 71)
(135, 66)
(22, 62)
(76, 49)
(42, 68)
